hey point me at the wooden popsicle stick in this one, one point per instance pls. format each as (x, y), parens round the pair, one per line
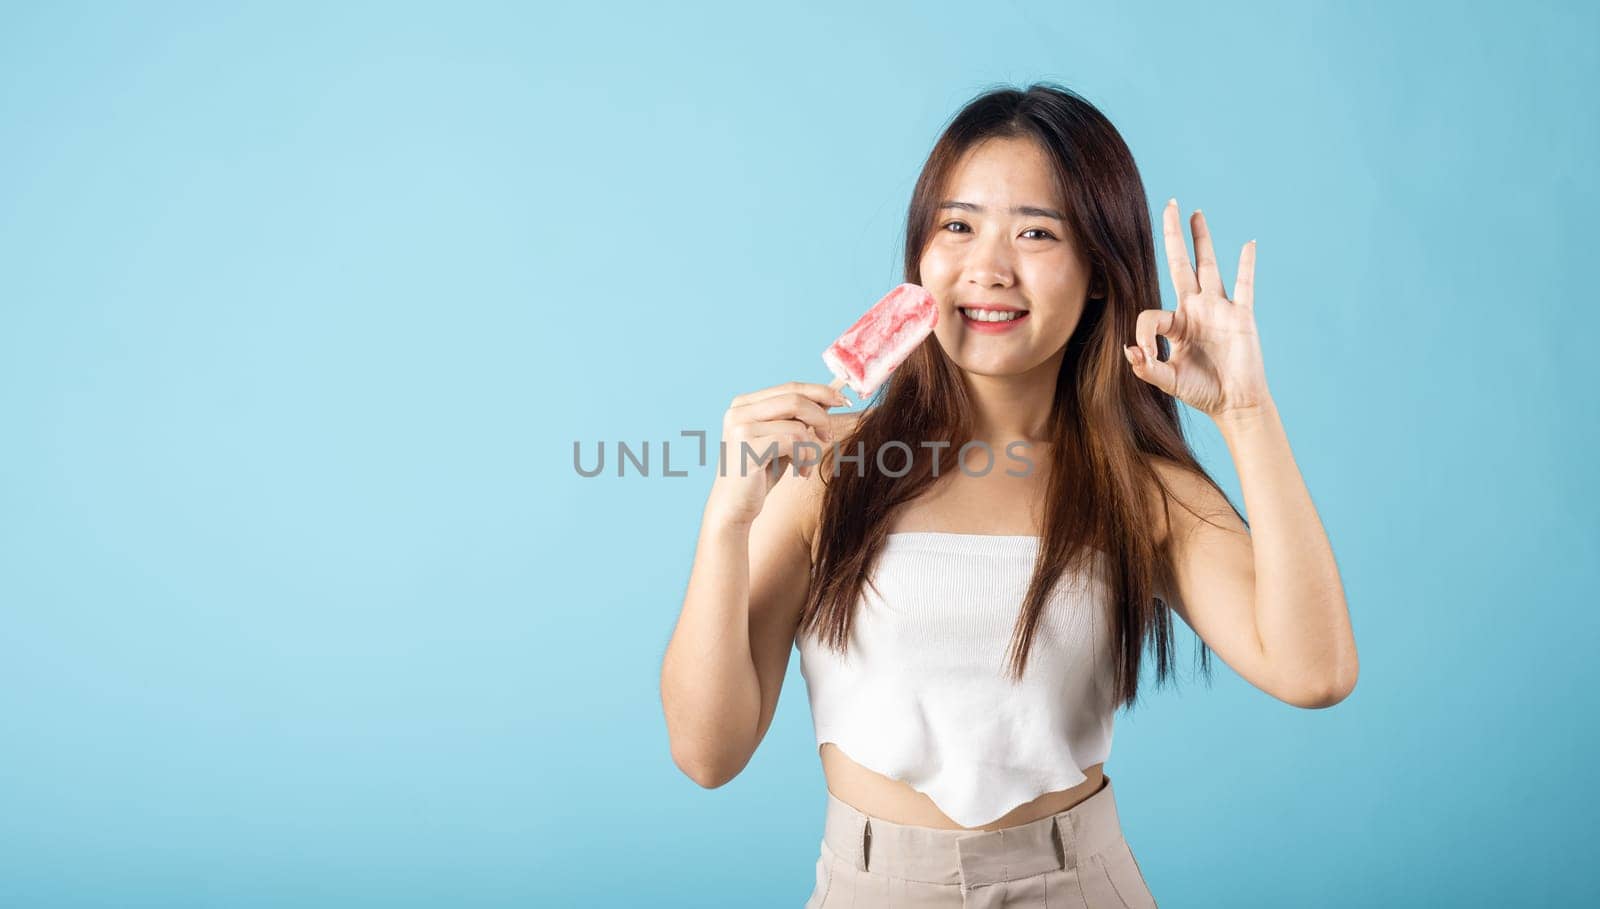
(838, 385)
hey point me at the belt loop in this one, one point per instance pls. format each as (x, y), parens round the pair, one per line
(1065, 858)
(866, 844)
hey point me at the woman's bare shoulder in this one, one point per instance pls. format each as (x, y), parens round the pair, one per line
(1186, 491)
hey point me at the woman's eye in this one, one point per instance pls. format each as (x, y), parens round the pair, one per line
(961, 224)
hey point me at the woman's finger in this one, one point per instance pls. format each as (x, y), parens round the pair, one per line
(1244, 284)
(781, 449)
(1168, 323)
(762, 451)
(1183, 279)
(1204, 256)
(816, 391)
(780, 428)
(788, 405)
(1162, 375)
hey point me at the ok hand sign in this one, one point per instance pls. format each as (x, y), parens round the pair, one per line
(1215, 363)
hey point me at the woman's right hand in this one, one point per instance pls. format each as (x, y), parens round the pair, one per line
(780, 418)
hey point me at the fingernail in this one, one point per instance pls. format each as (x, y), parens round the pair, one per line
(1173, 201)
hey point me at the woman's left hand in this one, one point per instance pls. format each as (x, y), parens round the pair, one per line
(1214, 364)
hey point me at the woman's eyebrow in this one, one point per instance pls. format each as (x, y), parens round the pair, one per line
(1031, 210)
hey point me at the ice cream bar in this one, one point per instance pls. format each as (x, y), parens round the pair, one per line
(870, 349)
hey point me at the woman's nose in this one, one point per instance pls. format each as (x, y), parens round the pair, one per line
(988, 263)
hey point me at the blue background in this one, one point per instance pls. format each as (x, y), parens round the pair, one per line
(302, 309)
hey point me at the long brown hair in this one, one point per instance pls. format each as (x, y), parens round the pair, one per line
(1105, 422)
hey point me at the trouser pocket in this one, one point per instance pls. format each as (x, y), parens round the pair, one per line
(1113, 880)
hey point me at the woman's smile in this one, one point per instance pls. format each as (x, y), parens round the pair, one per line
(988, 321)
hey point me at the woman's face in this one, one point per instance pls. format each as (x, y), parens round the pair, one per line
(1000, 243)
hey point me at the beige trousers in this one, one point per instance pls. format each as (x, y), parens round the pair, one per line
(1076, 858)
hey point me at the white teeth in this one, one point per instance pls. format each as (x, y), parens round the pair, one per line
(990, 315)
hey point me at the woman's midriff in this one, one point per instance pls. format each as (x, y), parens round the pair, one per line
(879, 796)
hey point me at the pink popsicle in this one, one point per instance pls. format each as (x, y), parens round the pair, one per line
(868, 351)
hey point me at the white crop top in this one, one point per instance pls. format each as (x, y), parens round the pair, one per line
(922, 695)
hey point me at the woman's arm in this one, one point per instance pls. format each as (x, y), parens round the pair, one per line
(1300, 610)
(709, 688)
(725, 663)
(1268, 599)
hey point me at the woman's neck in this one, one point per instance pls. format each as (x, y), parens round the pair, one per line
(1015, 407)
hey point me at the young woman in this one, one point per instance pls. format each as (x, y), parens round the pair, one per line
(974, 566)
